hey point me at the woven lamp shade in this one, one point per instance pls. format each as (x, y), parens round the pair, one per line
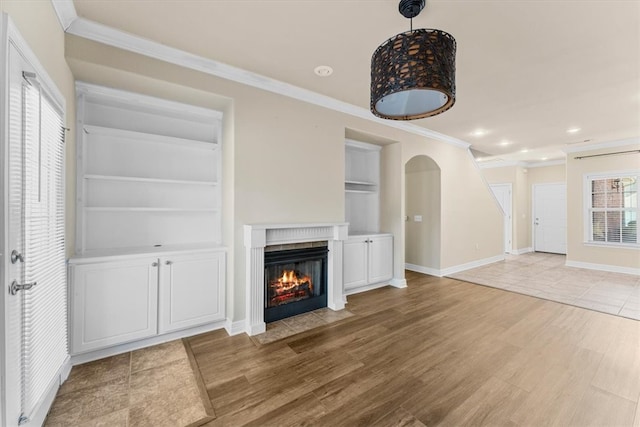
(413, 75)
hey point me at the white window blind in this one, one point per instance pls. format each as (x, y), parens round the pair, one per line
(613, 209)
(44, 326)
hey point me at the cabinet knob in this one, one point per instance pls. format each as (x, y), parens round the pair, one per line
(167, 262)
(155, 264)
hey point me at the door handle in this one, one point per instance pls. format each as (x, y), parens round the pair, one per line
(168, 262)
(15, 287)
(16, 256)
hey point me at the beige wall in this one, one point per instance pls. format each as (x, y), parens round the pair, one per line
(422, 239)
(270, 130)
(577, 170)
(38, 23)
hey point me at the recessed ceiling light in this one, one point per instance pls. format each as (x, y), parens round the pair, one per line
(573, 130)
(504, 143)
(526, 150)
(479, 132)
(323, 70)
(544, 158)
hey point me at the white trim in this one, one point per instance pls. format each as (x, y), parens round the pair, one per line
(607, 144)
(362, 145)
(547, 163)
(503, 164)
(235, 328)
(39, 416)
(424, 270)
(365, 288)
(91, 30)
(500, 164)
(398, 283)
(473, 264)
(522, 251)
(604, 267)
(79, 358)
(66, 12)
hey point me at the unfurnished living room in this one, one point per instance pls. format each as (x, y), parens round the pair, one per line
(319, 212)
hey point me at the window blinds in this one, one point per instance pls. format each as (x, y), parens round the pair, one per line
(44, 307)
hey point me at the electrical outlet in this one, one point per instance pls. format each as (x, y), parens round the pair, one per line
(417, 218)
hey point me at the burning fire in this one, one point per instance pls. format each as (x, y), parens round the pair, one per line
(289, 287)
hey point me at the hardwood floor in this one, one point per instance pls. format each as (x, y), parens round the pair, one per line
(440, 352)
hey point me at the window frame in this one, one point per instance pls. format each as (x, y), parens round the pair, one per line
(589, 209)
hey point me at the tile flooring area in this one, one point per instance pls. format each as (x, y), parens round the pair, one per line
(300, 323)
(545, 276)
(155, 386)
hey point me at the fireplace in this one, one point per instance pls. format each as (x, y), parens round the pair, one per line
(295, 281)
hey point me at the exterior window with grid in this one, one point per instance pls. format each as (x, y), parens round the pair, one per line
(613, 209)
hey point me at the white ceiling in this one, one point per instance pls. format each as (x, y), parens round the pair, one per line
(527, 70)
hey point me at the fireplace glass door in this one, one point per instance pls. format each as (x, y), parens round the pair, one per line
(295, 282)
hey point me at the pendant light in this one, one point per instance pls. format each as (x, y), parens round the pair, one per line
(413, 73)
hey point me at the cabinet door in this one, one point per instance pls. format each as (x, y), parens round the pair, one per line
(113, 303)
(355, 262)
(191, 290)
(380, 258)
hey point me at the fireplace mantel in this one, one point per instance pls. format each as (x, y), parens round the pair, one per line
(257, 236)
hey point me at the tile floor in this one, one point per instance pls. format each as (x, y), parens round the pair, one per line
(300, 323)
(155, 386)
(545, 276)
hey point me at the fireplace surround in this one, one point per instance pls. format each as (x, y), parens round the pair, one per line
(258, 236)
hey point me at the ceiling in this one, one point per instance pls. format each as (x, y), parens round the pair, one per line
(527, 70)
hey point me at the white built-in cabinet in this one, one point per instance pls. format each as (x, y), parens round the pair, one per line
(368, 260)
(149, 259)
(368, 253)
(118, 300)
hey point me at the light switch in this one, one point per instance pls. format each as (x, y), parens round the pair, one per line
(417, 218)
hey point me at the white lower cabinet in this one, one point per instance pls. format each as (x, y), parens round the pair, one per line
(368, 259)
(122, 300)
(187, 297)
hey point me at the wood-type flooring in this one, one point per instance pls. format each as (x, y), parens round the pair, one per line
(439, 352)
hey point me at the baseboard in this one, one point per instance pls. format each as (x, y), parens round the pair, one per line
(40, 414)
(473, 264)
(77, 359)
(603, 267)
(424, 270)
(235, 328)
(398, 283)
(365, 288)
(522, 251)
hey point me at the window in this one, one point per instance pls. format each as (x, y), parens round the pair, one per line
(613, 208)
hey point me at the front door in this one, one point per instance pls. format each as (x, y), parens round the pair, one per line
(550, 218)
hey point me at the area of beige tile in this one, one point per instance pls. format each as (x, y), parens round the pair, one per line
(96, 372)
(545, 276)
(155, 386)
(157, 355)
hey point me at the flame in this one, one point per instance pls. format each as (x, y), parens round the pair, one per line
(290, 287)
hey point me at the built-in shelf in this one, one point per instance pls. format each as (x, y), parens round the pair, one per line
(361, 186)
(150, 180)
(149, 172)
(149, 137)
(145, 209)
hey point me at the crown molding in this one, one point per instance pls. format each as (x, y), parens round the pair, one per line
(546, 163)
(104, 34)
(66, 12)
(597, 146)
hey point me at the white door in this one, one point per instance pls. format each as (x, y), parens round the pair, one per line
(380, 259)
(503, 195)
(550, 218)
(34, 271)
(191, 290)
(355, 262)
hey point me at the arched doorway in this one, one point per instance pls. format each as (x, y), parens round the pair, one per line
(422, 210)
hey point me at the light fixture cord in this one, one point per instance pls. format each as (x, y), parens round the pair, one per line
(411, 25)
